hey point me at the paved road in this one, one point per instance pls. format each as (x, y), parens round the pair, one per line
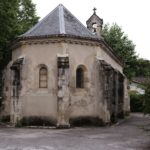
(133, 134)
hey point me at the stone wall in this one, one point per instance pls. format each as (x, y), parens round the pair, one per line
(91, 101)
(111, 85)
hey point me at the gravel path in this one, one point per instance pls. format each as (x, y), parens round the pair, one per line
(131, 134)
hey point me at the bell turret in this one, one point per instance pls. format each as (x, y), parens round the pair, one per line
(95, 24)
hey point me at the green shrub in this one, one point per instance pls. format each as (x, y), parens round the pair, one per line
(147, 100)
(136, 102)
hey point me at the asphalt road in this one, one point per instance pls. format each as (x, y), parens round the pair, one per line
(132, 134)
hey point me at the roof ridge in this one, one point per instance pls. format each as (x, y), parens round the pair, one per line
(61, 19)
(80, 22)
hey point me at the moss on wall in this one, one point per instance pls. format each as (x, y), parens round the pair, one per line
(86, 121)
(36, 121)
(5, 119)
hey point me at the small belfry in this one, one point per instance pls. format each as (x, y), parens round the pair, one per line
(95, 23)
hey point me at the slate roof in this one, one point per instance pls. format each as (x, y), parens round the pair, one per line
(59, 22)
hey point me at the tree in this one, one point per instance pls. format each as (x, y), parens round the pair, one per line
(142, 68)
(16, 16)
(123, 47)
(26, 15)
(8, 26)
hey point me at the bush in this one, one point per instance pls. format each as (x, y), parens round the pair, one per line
(147, 100)
(136, 102)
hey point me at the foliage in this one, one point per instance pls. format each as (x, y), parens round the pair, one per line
(136, 102)
(124, 47)
(147, 100)
(26, 15)
(142, 68)
(16, 16)
(8, 26)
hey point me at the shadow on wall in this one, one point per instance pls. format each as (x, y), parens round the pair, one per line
(86, 121)
(36, 121)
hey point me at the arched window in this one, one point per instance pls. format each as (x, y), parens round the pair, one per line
(94, 25)
(79, 77)
(43, 77)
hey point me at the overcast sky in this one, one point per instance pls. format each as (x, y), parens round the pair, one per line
(132, 15)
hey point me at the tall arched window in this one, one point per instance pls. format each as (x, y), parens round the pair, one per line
(94, 25)
(79, 77)
(43, 77)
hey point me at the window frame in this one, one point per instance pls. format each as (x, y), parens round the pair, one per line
(43, 74)
(80, 77)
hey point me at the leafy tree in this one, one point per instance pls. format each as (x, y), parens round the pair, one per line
(8, 26)
(142, 68)
(26, 15)
(124, 47)
(16, 16)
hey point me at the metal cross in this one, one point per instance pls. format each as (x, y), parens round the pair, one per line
(94, 9)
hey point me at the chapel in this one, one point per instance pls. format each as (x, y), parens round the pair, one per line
(64, 73)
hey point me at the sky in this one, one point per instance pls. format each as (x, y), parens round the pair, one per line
(133, 16)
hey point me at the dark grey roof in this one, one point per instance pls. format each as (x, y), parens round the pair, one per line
(59, 22)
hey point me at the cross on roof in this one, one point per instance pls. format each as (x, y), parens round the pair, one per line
(94, 9)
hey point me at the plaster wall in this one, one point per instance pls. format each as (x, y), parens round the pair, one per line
(37, 101)
(6, 91)
(101, 54)
(43, 102)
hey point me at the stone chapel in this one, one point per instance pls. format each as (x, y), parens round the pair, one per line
(63, 72)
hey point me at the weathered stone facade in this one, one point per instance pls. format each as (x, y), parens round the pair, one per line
(84, 78)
